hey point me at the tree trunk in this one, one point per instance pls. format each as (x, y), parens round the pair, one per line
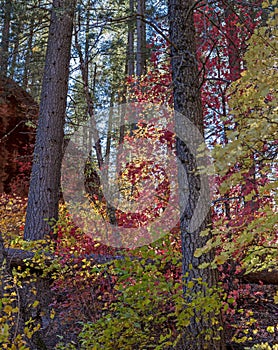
(15, 48)
(4, 51)
(45, 179)
(188, 106)
(28, 56)
(130, 42)
(141, 39)
(233, 50)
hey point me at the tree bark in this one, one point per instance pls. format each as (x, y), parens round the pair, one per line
(28, 57)
(141, 39)
(15, 48)
(233, 50)
(4, 51)
(187, 102)
(45, 179)
(130, 42)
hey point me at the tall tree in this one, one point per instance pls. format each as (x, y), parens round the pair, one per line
(141, 38)
(4, 50)
(45, 179)
(130, 42)
(188, 104)
(26, 43)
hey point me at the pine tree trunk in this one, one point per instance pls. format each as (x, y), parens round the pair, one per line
(130, 42)
(187, 102)
(45, 179)
(15, 50)
(4, 50)
(28, 57)
(141, 39)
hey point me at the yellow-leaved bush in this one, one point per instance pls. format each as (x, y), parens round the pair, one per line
(249, 158)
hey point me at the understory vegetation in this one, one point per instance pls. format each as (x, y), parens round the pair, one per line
(70, 290)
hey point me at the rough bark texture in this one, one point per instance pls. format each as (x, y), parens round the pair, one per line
(187, 101)
(130, 42)
(141, 39)
(45, 179)
(4, 49)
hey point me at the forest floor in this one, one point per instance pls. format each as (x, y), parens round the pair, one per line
(256, 318)
(254, 321)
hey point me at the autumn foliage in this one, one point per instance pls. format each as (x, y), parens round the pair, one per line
(133, 298)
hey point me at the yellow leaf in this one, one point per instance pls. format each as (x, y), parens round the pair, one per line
(220, 259)
(36, 303)
(8, 309)
(52, 314)
(270, 329)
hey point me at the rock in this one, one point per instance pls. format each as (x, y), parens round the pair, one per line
(17, 108)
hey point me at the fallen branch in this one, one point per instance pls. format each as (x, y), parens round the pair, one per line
(265, 277)
(19, 257)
